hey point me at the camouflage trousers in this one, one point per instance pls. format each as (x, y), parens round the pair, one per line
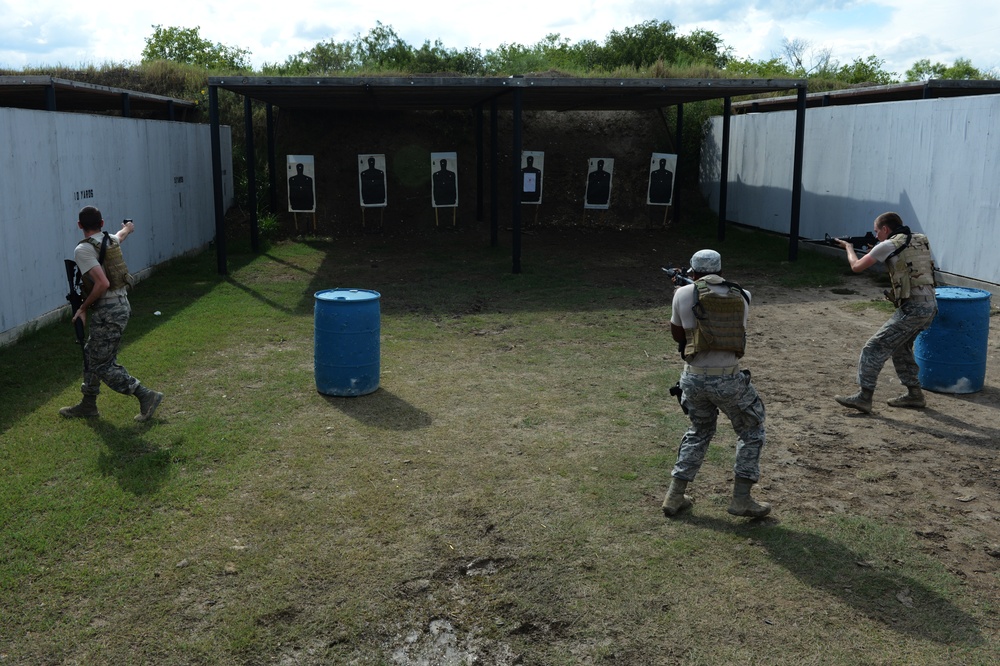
(735, 396)
(895, 340)
(107, 324)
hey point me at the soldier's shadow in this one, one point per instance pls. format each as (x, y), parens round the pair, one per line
(139, 467)
(880, 592)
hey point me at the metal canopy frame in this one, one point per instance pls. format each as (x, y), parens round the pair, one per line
(932, 89)
(441, 93)
(47, 93)
(515, 94)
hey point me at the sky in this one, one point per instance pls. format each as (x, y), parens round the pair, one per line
(38, 33)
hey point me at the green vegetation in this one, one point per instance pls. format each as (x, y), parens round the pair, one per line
(962, 70)
(651, 48)
(635, 48)
(187, 46)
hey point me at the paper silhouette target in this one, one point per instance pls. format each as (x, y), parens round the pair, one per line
(444, 180)
(371, 180)
(599, 173)
(661, 179)
(301, 184)
(532, 168)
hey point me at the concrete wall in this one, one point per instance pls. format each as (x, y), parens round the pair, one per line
(158, 173)
(936, 162)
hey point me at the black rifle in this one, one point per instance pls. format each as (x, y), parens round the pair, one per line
(865, 243)
(76, 298)
(678, 276)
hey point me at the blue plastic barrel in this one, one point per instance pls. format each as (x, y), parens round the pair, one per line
(346, 350)
(952, 352)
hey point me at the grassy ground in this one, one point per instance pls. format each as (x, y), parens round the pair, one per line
(497, 499)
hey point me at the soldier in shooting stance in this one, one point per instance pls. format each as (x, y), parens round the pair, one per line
(708, 321)
(106, 281)
(911, 270)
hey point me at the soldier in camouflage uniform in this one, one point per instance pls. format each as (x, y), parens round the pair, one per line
(106, 281)
(907, 256)
(708, 321)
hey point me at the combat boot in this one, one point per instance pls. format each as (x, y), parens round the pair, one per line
(676, 501)
(149, 400)
(86, 409)
(913, 398)
(861, 401)
(742, 504)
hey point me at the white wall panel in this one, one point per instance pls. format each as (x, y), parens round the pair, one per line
(935, 162)
(158, 173)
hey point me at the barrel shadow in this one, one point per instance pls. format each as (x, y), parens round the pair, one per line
(381, 409)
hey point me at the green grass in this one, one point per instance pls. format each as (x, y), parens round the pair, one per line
(506, 478)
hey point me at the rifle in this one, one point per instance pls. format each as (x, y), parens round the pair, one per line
(864, 243)
(76, 298)
(678, 276)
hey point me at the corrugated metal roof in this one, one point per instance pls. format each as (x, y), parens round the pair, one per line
(53, 94)
(873, 94)
(538, 93)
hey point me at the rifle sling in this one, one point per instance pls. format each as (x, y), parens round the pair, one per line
(906, 244)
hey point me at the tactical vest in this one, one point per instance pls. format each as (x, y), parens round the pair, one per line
(910, 265)
(719, 319)
(112, 262)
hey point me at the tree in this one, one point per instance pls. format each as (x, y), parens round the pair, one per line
(558, 52)
(187, 46)
(775, 68)
(514, 59)
(641, 45)
(587, 55)
(868, 70)
(922, 70)
(797, 52)
(328, 56)
(429, 59)
(382, 48)
(961, 70)
(705, 46)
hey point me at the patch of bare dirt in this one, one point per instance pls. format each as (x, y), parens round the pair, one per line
(934, 471)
